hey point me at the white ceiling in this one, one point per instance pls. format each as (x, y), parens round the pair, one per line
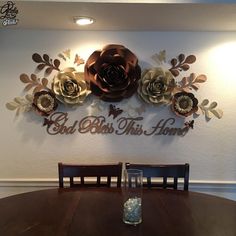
(128, 16)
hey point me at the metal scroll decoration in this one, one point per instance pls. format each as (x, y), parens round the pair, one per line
(112, 75)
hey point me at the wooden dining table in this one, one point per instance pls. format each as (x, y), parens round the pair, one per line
(98, 212)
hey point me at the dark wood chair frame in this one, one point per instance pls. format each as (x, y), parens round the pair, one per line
(163, 171)
(72, 171)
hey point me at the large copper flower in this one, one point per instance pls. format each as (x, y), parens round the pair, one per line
(156, 86)
(44, 103)
(70, 87)
(184, 104)
(112, 73)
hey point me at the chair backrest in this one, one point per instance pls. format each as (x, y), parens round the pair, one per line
(169, 175)
(102, 174)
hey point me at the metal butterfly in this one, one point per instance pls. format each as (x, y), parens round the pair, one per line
(189, 124)
(65, 54)
(113, 111)
(78, 60)
(47, 122)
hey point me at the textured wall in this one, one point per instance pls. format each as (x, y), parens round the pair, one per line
(27, 151)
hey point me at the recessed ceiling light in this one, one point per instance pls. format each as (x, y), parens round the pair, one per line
(83, 20)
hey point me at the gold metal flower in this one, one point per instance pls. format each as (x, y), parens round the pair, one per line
(44, 103)
(184, 104)
(70, 87)
(156, 86)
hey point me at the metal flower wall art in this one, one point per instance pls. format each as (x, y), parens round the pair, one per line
(112, 75)
(160, 86)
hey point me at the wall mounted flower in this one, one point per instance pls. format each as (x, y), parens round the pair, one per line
(70, 87)
(184, 104)
(112, 73)
(44, 103)
(156, 86)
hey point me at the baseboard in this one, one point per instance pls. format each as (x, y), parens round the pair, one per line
(48, 182)
(226, 189)
(203, 184)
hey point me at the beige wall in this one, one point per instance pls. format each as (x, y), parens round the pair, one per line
(29, 153)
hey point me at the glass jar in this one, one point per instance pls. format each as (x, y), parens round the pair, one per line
(132, 196)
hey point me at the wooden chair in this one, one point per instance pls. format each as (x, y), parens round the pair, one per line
(83, 172)
(166, 172)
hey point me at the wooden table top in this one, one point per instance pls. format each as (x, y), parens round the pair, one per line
(98, 212)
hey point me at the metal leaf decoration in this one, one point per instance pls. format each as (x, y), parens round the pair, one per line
(181, 63)
(20, 104)
(34, 82)
(190, 83)
(46, 62)
(210, 109)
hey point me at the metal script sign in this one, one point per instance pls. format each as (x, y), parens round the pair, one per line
(59, 123)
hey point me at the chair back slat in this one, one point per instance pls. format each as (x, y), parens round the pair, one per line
(82, 180)
(109, 180)
(175, 182)
(175, 172)
(149, 182)
(71, 181)
(165, 182)
(96, 172)
(98, 180)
